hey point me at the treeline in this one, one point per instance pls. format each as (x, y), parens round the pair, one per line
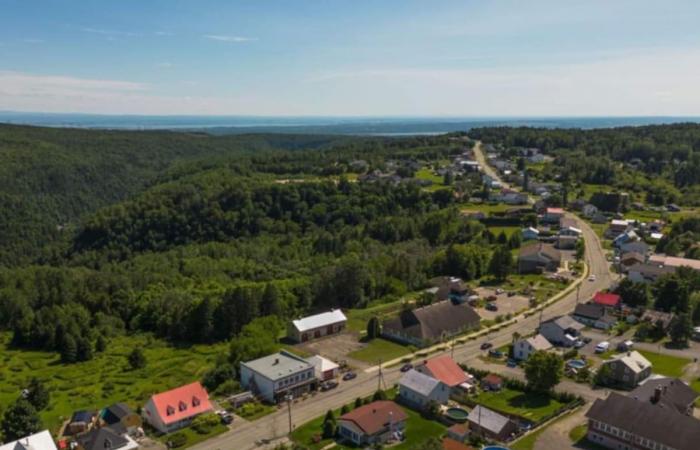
(684, 238)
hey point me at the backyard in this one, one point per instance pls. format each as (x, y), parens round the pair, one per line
(380, 349)
(104, 380)
(670, 366)
(530, 406)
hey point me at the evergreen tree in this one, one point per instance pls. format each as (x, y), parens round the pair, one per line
(69, 349)
(137, 360)
(84, 349)
(502, 238)
(358, 402)
(681, 330)
(378, 395)
(100, 344)
(38, 395)
(330, 417)
(373, 328)
(501, 264)
(328, 429)
(515, 240)
(270, 304)
(20, 420)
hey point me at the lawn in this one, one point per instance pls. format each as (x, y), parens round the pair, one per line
(530, 406)
(418, 430)
(357, 318)
(427, 174)
(670, 366)
(104, 380)
(485, 207)
(380, 349)
(528, 284)
(254, 410)
(193, 437)
(509, 231)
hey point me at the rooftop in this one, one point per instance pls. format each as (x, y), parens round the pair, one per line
(375, 416)
(182, 402)
(278, 365)
(539, 342)
(418, 382)
(319, 320)
(488, 419)
(445, 369)
(38, 441)
(322, 364)
(667, 393)
(634, 360)
(606, 299)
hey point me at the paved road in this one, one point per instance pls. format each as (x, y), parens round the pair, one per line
(244, 435)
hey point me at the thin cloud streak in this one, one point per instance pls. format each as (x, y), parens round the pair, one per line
(109, 32)
(226, 38)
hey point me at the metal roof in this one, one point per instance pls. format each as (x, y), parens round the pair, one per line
(278, 365)
(319, 320)
(418, 382)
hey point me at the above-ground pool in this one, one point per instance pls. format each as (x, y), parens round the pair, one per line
(576, 363)
(457, 414)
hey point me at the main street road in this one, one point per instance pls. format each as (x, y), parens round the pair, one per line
(244, 434)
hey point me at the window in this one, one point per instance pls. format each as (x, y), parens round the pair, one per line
(169, 411)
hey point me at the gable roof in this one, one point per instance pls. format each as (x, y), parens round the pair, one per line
(103, 438)
(492, 379)
(539, 342)
(430, 322)
(277, 365)
(555, 211)
(590, 311)
(319, 320)
(540, 249)
(666, 392)
(375, 416)
(566, 322)
(674, 261)
(82, 416)
(115, 413)
(182, 402)
(38, 441)
(648, 421)
(322, 364)
(445, 369)
(634, 360)
(488, 419)
(606, 299)
(451, 444)
(418, 382)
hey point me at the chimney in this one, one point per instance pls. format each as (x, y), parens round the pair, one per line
(277, 361)
(657, 395)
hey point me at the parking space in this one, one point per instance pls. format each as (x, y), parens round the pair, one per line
(336, 348)
(502, 305)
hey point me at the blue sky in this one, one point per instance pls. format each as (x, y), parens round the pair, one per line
(364, 58)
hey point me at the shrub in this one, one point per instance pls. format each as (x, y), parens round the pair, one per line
(204, 423)
(177, 440)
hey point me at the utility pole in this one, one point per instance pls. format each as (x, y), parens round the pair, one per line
(289, 398)
(578, 291)
(452, 350)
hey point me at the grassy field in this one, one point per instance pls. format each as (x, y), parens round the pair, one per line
(357, 318)
(485, 207)
(104, 380)
(537, 285)
(507, 230)
(670, 366)
(418, 430)
(529, 406)
(377, 349)
(427, 174)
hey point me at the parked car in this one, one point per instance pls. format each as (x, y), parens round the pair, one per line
(406, 367)
(591, 278)
(511, 294)
(579, 343)
(491, 298)
(495, 353)
(586, 339)
(625, 346)
(486, 345)
(226, 419)
(491, 307)
(512, 363)
(602, 347)
(499, 291)
(349, 376)
(328, 385)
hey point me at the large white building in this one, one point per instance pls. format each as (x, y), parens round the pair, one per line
(275, 376)
(38, 441)
(316, 326)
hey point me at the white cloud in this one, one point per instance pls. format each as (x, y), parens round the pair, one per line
(109, 32)
(163, 33)
(226, 38)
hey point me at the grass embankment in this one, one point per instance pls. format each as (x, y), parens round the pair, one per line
(670, 366)
(104, 380)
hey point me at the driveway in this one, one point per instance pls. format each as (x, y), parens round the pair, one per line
(336, 348)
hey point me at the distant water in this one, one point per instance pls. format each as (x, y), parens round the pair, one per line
(387, 126)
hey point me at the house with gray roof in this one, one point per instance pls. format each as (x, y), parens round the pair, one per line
(669, 393)
(490, 424)
(524, 347)
(275, 376)
(596, 316)
(626, 370)
(538, 257)
(621, 422)
(563, 330)
(419, 390)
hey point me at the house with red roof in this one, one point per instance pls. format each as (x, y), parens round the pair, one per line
(376, 423)
(553, 215)
(607, 299)
(444, 369)
(171, 410)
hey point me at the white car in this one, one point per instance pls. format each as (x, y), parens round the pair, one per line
(591, 278)
(602, 347)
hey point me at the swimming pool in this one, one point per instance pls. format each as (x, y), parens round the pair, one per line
(457, 414)
(576, 363)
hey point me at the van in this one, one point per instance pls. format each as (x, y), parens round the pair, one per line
(602, 347)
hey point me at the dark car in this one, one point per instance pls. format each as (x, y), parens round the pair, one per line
(491, 307)
(349, 376)
(486, 345)
(512, 363)
(495, 353)
(406, 367)
(226, 419)
(328, 385)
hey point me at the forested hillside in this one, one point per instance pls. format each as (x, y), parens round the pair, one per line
(49, 177)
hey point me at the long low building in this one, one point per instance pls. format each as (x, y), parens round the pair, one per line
(275, 376)
(316, 326)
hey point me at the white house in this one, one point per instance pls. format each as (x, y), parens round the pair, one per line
(530, 233)
(523, 348)
(316, 326)
(38, 441)
(175, 409)
(418, 390)
(275, 376)
(562, 330)
(324, 368)
(372, 424)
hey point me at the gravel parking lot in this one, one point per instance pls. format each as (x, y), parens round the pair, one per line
(505, 304)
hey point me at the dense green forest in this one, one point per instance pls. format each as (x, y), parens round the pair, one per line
(660, 163)
(196, 238)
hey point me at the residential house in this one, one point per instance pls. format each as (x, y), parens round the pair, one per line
(674, 262)
(275, 376)
(452, 444)
(669, 393)
(445, 369)
(80, 422)
(640, 247)
(37, 441)
(429, 324)
(672, 207)
(661, 317)
(621, 422)
(566, 241)
(106, 438)
(617, 226)
(459, 432)
(607, 299)
(373, 424)
(490, 424)
(538, 257)
(553, 215)
(419, 390)
(537, 158)
(647, 272)
(627, 237)
(175, 409)
(563, 330)
(530, 233)
(630, 259)
(492, 382)
(524, 347)
(316, 326)
(120, 413)
(450, 288)
(626, 370)
(324, 368)
(594, 315)
(511, 197)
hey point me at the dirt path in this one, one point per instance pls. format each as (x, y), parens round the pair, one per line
(556, 436)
